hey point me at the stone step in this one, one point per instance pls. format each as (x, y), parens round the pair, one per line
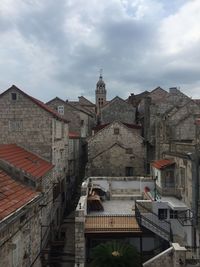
(155, 230)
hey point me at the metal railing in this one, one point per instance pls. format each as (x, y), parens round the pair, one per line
(146, 216)
(185, 217)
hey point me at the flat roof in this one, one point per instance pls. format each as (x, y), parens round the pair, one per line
(174, 203)
(116, 207)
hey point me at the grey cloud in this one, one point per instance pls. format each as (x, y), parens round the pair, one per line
(127, 49)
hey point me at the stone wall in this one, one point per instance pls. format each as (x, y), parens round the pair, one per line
(106, 137)
(113, 162)
(80, 214)
(110, 153)
(119, 110)
(24, 123)
(79, 121)
(172, 257)
(20, 239)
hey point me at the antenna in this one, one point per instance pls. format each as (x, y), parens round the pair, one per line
(101, 73)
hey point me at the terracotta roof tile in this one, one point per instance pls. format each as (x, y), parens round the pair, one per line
(118, 224)
(162, 163)
(24, 160)
(13, 195)
(74, 135)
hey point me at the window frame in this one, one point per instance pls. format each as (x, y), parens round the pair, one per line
(61, 109)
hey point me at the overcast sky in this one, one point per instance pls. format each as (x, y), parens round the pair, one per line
(54, 48)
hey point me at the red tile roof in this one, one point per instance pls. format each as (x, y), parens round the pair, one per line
(162, 163)
(74, 135)
(13, 195)
(25, 160)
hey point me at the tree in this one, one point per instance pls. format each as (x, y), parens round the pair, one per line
(115, 254)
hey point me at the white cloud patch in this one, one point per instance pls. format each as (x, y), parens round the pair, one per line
(55, 48)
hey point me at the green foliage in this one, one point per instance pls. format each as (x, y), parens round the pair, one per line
(115, 254)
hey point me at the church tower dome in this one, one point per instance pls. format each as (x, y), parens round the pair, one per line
(100, 93)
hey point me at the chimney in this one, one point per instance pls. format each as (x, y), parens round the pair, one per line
(174, 90)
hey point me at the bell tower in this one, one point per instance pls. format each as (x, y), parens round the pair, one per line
(100, 92)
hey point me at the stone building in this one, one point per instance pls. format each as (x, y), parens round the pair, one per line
(29, 123)
(152, 111)
(106, 212)
(118, 109)
(177, 197)
(84, 104)
(176, 130)
(80, 120)
(28, 210)
(117, 149)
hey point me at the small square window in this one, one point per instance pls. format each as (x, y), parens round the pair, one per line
(13, 96)
(162, 214)
(116, 130)
(60, 110)
(173, 214)
(129, 151)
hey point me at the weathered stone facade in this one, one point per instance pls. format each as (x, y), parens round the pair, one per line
(21, 237)
(116, 150)
(84, 104)
(177, 126)
(175, 256)
(31, 124)
(80, 121)
(118, 109)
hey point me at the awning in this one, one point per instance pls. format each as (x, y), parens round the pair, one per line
(174, 203)
(114, 224)
(162, 163)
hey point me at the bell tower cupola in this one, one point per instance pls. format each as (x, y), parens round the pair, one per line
(100, 92)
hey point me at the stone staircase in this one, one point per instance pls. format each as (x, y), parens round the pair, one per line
(146, 218)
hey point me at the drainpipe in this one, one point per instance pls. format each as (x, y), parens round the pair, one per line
(195, 180)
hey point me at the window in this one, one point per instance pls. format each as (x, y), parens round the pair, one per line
(182, 177)
(129, 171)
(82, 122)
(60, 110)
(13, 96)
(116, 130)
(169, 178)
(129, 151)
(173, 214)
(162, 214)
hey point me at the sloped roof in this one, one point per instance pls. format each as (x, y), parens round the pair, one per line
(37, 102)
(13, 195)
(24, 160)
(55, 98)
(110, 124)
(158, 89)
(115, 99)
(86, 100)
(162, 163)
(69, 103)
(101, 126)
